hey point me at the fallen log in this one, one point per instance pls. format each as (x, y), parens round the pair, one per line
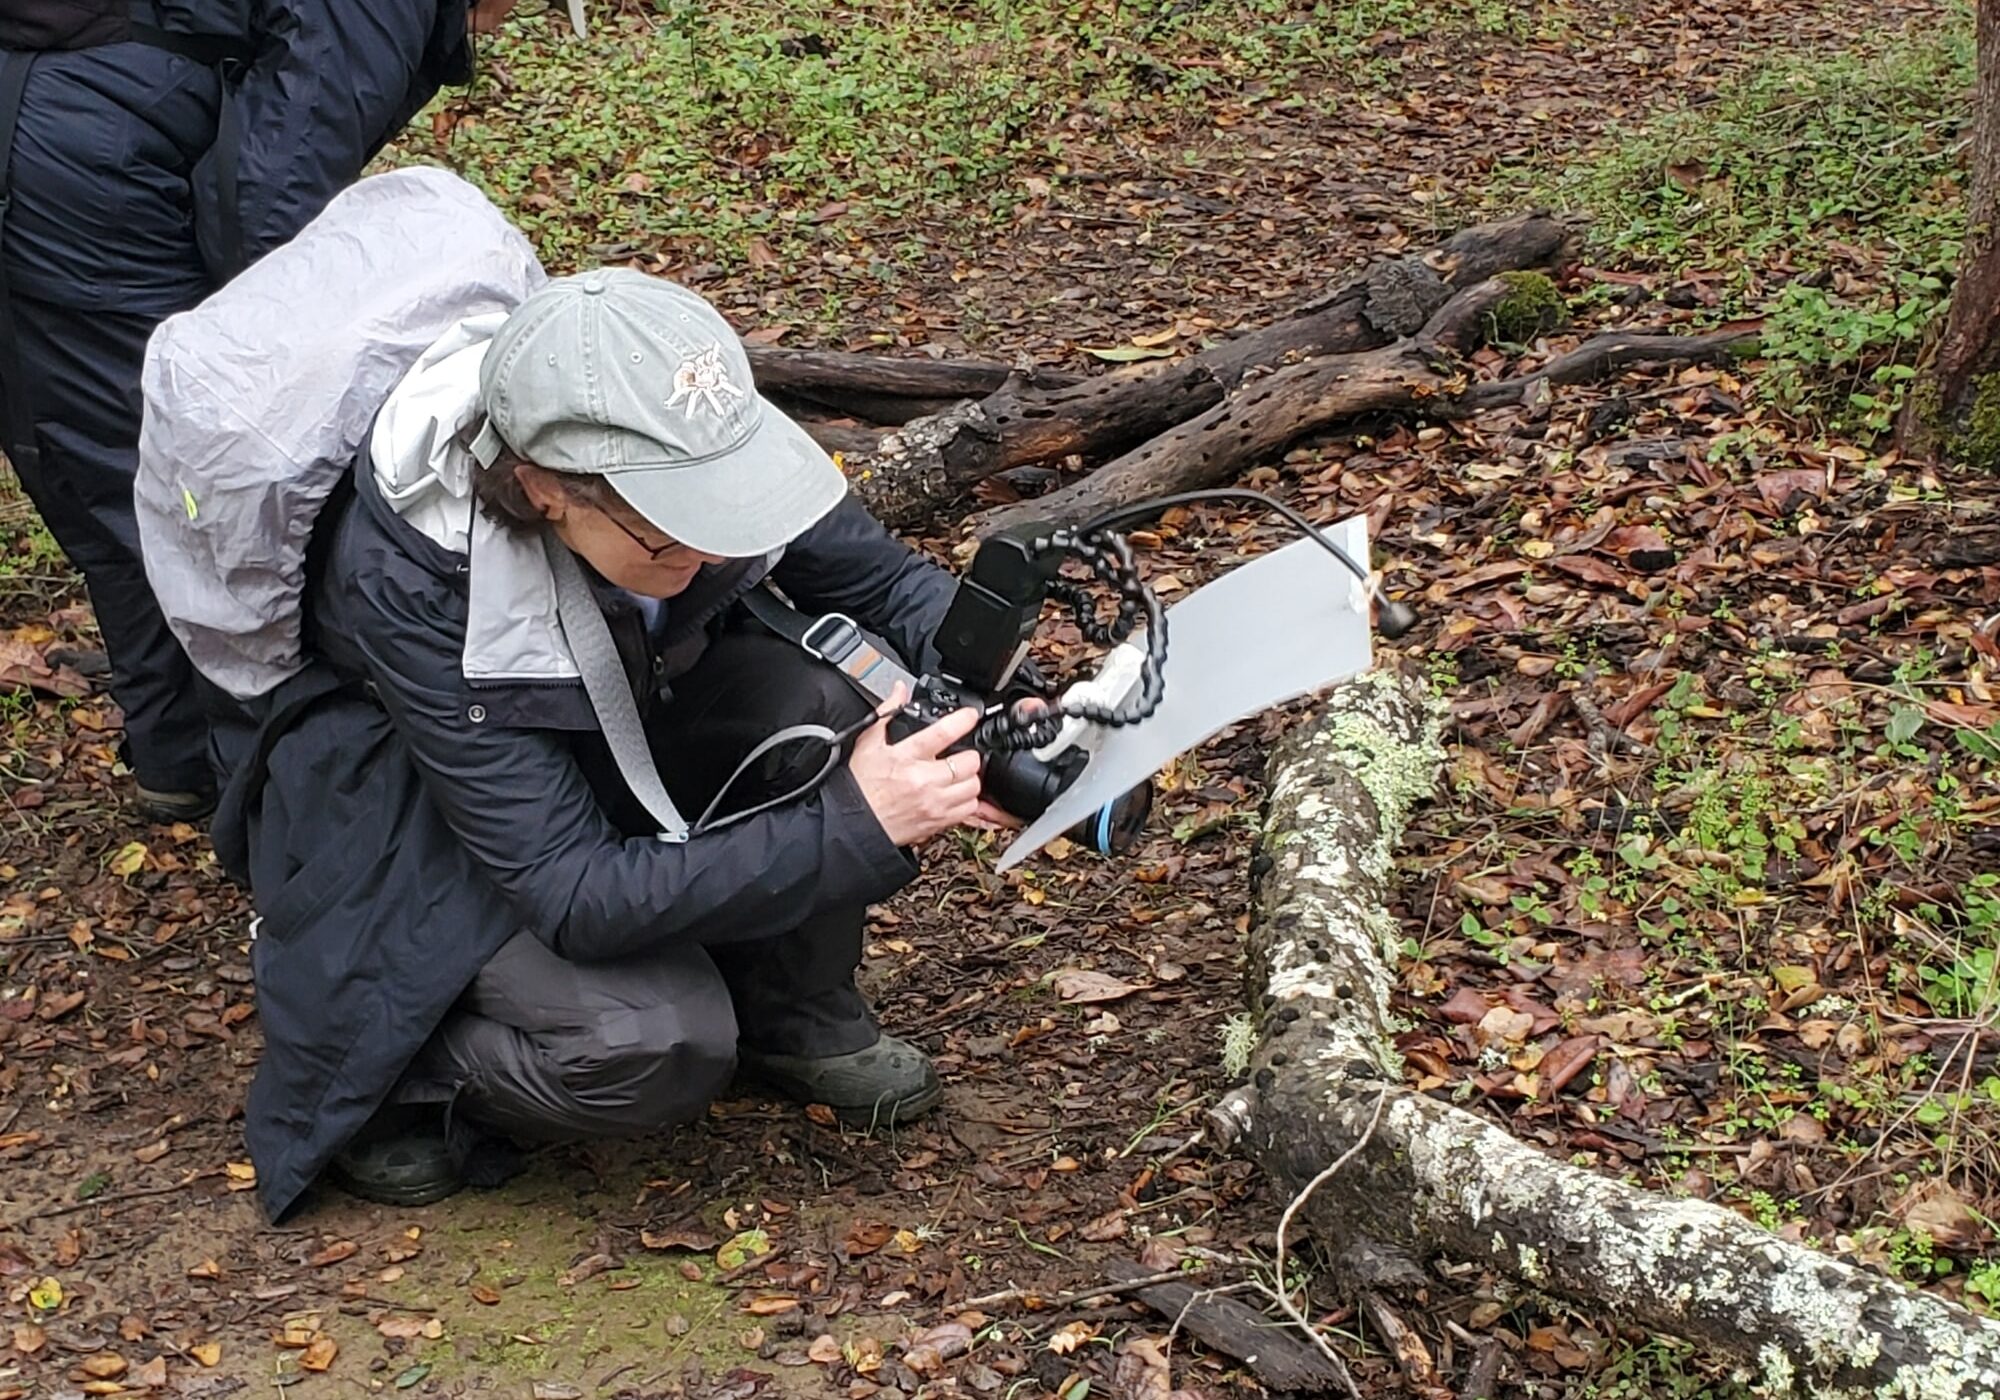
(1393, 299)
(1282, 1360)
(1029, 420)
(1426, 1179)
(826, 376)
(1417, 375)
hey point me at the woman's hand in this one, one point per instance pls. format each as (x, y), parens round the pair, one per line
(913, 791)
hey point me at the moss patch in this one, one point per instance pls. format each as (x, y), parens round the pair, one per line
(1975, 438)
(1531, 307)
(497, 1274)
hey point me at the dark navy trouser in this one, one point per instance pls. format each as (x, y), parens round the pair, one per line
(100, 248)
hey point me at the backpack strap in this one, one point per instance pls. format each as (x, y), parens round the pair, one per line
(229, 56)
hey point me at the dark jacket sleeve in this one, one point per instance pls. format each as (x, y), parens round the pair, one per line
(333, 82)
(527, 815)
(849, 563)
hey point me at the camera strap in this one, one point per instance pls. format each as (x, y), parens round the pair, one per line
(834, 639)
(610, 692)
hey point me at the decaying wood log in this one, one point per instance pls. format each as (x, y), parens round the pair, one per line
(1026, 421)
(1390, 300)
(826, 376)
(1282, 1360)
(1269, 413)
(1430, 1179)
(928, 465)
(1386, 341)
(1412, 376)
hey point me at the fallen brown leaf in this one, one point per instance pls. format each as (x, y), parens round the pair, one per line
(864, 1237)
(333, 1253)
(941, 1344)
(586, 1268)
(319, 1353)
(1105, 1228)
(691, 1241)
(1082, 987)
(1141, 1372)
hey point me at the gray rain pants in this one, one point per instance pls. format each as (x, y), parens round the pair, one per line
(544, 1049)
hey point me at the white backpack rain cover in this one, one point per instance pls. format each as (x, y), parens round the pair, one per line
(258, 400)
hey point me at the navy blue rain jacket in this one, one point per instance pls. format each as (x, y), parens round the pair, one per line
(411, 823)
(331, 82)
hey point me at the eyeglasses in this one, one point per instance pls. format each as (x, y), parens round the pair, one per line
(653, 551)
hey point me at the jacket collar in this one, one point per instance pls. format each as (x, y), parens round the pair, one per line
(421, 474)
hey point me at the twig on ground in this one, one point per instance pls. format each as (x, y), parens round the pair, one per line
(750, 1266)
(1194, 1301)
(1605, 737)
(117, 1196)
(1413, 1358)
(1280, 1294)
(1074, 1295)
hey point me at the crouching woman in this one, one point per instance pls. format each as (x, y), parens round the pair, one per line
(472, 930)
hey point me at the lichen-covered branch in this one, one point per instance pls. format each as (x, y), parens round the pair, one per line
(1431, 1179)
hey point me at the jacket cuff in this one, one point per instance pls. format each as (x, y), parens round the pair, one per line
(888, 866)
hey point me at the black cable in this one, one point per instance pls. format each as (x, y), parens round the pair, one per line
(1393, 619)
(1109, 558)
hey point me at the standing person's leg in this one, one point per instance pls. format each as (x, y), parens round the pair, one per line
(84, 375)
(99, 248)
(805, 1025)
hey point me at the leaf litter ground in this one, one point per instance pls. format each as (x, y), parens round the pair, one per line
(1702, 903)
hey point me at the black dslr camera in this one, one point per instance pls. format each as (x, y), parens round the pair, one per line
(982, 648)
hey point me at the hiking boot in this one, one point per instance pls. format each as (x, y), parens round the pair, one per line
(167, 807)
(889, 1083)
(414, 1154)
(400, 1158)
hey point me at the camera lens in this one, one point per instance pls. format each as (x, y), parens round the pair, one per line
(1116, 826)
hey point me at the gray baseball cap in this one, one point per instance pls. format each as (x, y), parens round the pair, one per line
(616, 374)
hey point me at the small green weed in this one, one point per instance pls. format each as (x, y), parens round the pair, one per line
(796, 134)
(1960, 980)
(1661, 1370)
(1834, 178)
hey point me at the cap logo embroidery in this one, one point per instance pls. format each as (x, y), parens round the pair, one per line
(703, 382)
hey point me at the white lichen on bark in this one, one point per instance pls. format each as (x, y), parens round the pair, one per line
(1435, 1179)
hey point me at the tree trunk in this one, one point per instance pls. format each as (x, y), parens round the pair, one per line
(1428, 1179)
(1953, 410)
